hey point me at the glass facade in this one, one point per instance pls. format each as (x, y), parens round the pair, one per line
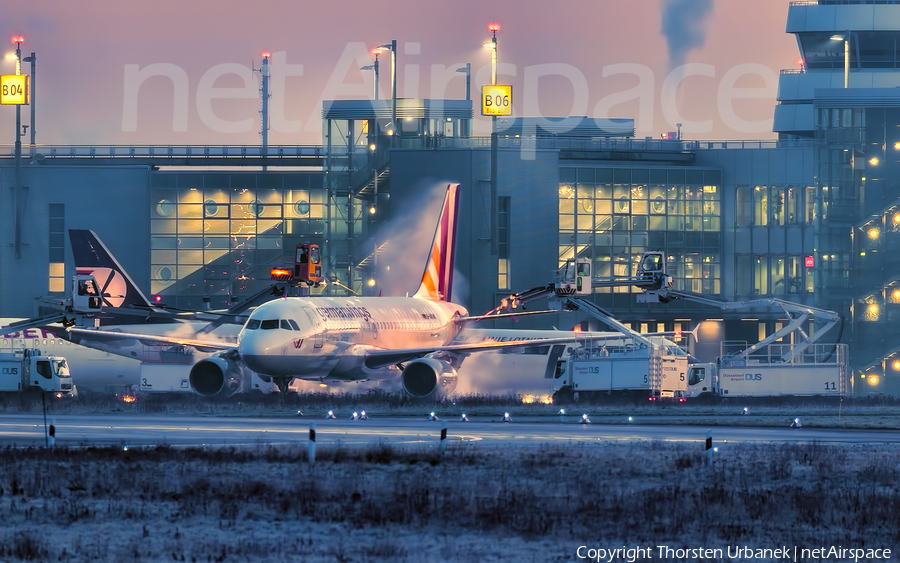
(219, 234)
(775, 208)
(613, 215)
(857, 162)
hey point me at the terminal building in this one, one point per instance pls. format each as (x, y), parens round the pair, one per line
(810, 216)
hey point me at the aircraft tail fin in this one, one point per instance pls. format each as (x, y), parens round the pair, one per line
(92, 257)
(437, 281)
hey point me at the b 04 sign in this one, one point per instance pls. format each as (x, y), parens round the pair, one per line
(13, 89)
(496, 99)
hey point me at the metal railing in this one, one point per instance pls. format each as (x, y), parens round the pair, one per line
(164, 151)
(571, 143)
(630, 144)
(774, 354)
(840, 2)
(39, 152)
(759, 144)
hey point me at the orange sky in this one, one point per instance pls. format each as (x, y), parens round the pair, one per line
(85, 48)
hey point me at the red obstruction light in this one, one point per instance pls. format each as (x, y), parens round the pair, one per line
(18, 39)
(266, 54)
(494, 27)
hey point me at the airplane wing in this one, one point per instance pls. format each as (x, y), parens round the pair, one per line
(382, 358)
(202, 345)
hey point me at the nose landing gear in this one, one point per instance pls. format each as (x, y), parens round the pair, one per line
(283, 383)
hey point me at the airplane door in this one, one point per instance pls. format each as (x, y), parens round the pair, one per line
(318, 327)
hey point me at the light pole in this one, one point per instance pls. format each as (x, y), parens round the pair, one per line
(468, 70)
(18, 156)
(264, 132)
(33, 60)
(846, 39)
(393, 47)
(376, 51)
(492, 45)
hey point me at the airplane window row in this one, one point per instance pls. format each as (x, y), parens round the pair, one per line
(291, 324)
(405, 325)
(44, 342)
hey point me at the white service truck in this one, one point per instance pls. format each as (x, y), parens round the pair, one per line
(821, 370)
(623, 367)
(25, 369)
(790, 361)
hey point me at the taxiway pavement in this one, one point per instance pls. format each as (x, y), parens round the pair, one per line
(80, 430)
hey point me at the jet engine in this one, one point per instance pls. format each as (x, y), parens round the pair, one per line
(428, 376)
(217, 376)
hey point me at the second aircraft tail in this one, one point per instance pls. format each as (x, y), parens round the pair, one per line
(92, 257)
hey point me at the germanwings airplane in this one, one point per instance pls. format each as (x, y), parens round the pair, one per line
(333, 339)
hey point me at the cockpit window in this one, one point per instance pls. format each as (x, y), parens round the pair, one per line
(294, 324)
(285, 325)
(269, 324)
(253, 324)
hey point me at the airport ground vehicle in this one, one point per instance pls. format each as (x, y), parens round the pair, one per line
(774, 371)
(790, 361)
(627, 367)
(24, 369)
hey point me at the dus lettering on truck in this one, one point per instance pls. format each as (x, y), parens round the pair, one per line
(742, 376)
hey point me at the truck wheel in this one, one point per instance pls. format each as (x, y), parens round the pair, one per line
(625, 398)
(565, 396)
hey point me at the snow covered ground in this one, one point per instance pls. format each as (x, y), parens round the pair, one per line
(387, 504)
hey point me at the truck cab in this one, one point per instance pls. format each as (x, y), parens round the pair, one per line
(700, 380)
(25, 369)
(51, 373)
(86, 296)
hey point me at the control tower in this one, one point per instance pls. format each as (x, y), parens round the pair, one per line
(854, 39)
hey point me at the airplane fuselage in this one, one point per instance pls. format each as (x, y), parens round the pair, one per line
(311, 338)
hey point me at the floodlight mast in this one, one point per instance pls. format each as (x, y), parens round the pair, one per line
(393, 47)
(492, 45)
(18, 196)
(374, 67)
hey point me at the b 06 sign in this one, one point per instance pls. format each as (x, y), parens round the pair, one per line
(496, 99)
(13, 89)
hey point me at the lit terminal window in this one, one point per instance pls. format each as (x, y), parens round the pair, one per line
(503, 273)
(57, 280)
